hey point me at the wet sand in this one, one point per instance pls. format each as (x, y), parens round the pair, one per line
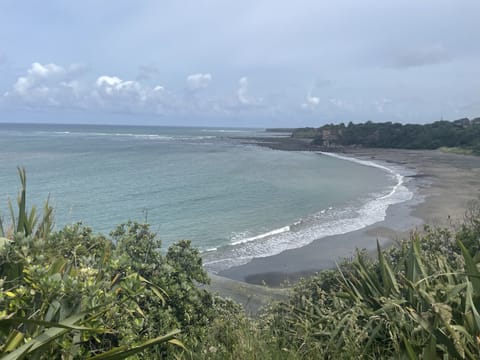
(443, 184)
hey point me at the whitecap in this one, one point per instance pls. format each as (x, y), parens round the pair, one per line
(262, 236)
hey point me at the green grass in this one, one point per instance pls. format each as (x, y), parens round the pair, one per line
(456, 150)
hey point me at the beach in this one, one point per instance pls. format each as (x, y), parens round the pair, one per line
(444, 185)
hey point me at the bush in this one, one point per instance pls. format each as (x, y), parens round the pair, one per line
(75, 294)
(417, 300)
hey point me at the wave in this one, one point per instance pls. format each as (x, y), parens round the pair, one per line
(138, 136)
(224, 131)
(399, 178)
(326, 222)
(262, 236)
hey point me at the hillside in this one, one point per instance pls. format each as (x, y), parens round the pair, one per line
(462, 133)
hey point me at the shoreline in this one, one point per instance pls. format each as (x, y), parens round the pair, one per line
(443, 184)
(320, 223)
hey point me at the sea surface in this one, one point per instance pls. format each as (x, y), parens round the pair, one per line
(233, 200)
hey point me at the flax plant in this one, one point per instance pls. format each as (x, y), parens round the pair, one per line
(419, 300)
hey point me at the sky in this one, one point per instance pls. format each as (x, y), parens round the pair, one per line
(249, 63)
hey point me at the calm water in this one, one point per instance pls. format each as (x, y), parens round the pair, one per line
(234, 201)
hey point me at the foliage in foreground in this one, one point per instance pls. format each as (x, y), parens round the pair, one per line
(73, 294)
(420, 300)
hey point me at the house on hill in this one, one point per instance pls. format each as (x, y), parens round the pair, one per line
(330, 136)
(465, 122)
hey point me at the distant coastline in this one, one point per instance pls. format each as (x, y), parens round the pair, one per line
(287, 143)
(459, 136)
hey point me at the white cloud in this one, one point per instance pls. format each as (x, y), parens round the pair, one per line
(47, 85)
(242, 91)
(114, 94)
(52, 85)
(311, 102)
(199, 81)
(108, 81)
(37, 77)
(244, 99)
(112, 86)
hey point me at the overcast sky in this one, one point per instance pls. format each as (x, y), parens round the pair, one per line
(239, 63)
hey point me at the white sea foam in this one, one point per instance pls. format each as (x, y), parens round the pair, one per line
(326, 222)
(138, 136)
(195, 137)
(224, 131)
(261, 236)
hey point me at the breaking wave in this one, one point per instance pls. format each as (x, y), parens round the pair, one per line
(326, 222)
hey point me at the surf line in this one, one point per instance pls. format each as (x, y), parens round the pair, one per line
(261, 236)
(399, 182)
(398, 177)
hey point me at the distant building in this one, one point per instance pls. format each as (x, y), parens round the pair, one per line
(330, 136)
(475, 121)
(465, 122)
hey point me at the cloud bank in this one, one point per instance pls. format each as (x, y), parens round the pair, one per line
(54, 86)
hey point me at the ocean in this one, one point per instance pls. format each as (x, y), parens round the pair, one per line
(233, 200)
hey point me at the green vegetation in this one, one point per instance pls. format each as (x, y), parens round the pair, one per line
(280, 130)
(304, 133)
(417, 301)
(457, 150)
(72, 294)
(460, 134)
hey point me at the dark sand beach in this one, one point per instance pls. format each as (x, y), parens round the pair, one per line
(444, 186)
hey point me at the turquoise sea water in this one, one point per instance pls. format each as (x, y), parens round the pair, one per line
(234, 201)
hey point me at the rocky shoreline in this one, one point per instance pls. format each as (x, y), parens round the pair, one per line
(288, 144)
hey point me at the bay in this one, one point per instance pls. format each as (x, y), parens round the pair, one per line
(233, 200)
